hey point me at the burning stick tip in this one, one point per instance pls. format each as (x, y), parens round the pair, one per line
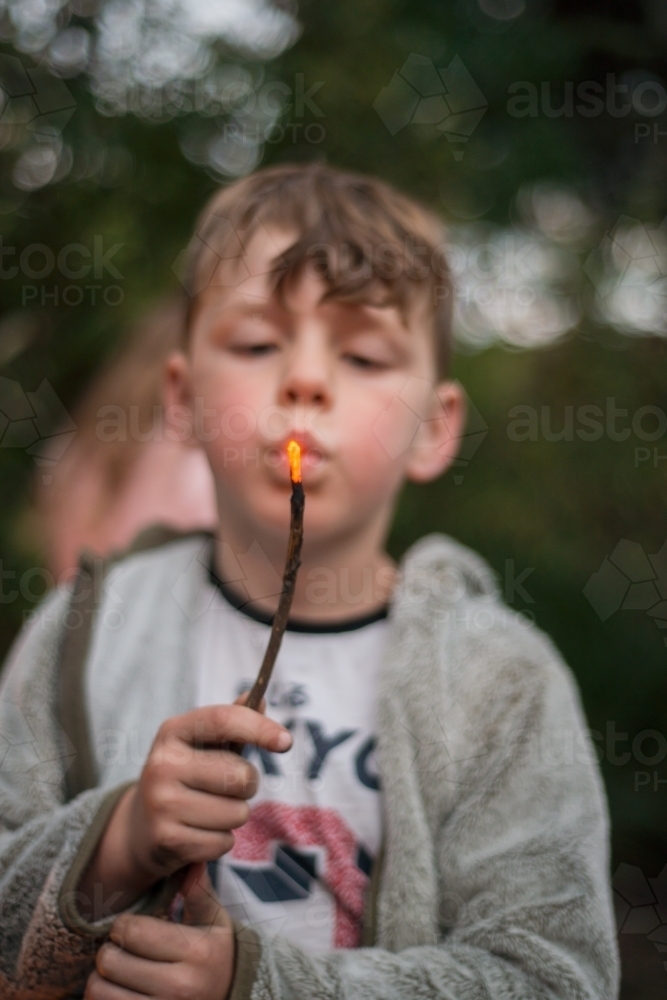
(294, 456)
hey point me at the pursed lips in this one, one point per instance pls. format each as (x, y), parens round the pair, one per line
(313, 455)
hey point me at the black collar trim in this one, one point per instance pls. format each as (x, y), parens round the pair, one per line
(241, 604)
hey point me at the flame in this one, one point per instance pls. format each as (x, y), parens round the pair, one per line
(294, 456)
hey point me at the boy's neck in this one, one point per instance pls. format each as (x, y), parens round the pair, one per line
(340, 579)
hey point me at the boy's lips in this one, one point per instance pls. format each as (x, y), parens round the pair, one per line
(313, 457)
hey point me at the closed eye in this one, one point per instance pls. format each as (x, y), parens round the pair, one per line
(365, 363)
(253, 350)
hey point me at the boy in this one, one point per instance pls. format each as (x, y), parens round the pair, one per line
(436, 826)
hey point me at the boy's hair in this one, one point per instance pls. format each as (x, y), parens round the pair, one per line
(369, 242)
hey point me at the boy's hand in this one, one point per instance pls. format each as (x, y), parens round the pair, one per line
(149, 957)
(190, 796)
(189, 799)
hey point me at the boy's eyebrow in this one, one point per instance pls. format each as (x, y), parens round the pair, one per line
(362, 316)
(365, 320)
(239, 302)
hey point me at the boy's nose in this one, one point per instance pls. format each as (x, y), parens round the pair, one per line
(305, 392)
(307, 378)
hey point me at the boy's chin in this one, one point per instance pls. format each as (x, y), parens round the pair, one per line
(270, 517)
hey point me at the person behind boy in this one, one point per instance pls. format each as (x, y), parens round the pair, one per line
(122, 472)
(436, 825)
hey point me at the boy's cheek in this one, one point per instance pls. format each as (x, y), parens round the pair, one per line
(373, 456)
(381, 436)
(227, 416)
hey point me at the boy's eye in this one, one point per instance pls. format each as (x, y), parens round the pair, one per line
(254, 350)
(364, 362)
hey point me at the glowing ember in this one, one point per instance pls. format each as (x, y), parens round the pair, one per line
(294, 456)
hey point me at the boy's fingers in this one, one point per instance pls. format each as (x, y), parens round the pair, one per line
(183, 845)
(201, 906)
(149, 938)
(214, 813)
(195, 873)
(98, 988)
(228, 723)
(146, 976)
(221, 772)
(163, 941)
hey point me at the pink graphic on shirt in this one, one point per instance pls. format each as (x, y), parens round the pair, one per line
(311, 826)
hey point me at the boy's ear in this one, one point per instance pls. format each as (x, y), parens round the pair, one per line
(437, 441)
(178, 400)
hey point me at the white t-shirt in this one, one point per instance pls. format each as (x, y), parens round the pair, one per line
(300, 865)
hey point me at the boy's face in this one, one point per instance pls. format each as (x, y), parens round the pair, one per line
(351, 382)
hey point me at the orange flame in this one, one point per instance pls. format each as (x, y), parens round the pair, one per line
(294, 456)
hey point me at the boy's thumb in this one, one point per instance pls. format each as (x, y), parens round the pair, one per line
(200, 903)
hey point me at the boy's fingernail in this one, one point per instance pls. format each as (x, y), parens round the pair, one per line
(284, 740)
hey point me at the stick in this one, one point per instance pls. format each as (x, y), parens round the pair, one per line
(292, 563)
(174, 882)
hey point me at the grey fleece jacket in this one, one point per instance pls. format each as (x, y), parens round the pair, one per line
(493, 883)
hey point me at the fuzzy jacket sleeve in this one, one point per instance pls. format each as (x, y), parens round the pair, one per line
(508, 786)
(41, 956)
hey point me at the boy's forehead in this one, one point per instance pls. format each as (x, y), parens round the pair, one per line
(246, 263)
(257, 294)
